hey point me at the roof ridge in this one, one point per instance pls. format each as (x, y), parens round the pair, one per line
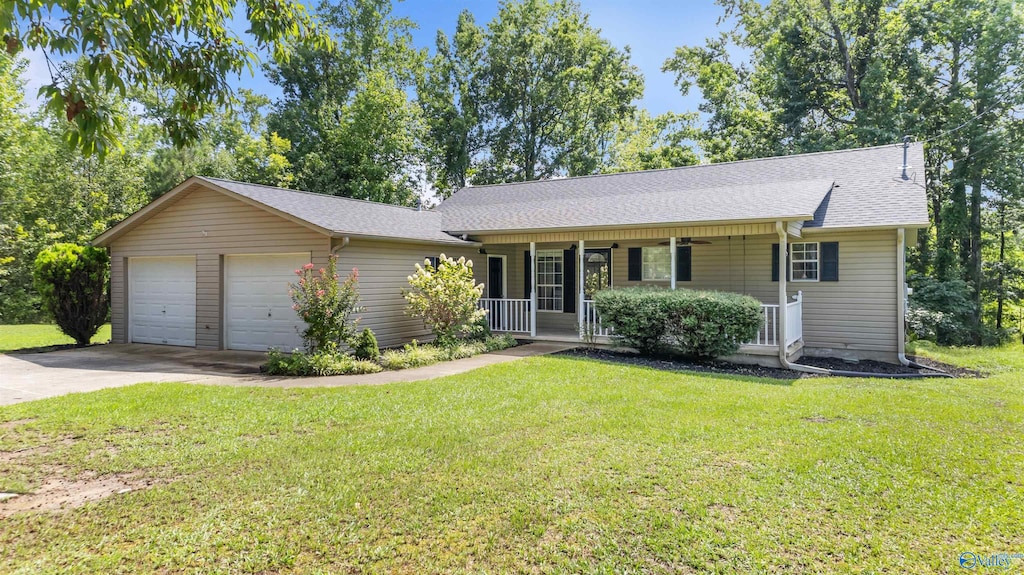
(633, 172)
(307, 192)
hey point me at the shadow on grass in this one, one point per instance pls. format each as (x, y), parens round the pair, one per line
(717, 369)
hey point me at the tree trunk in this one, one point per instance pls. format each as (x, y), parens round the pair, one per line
(1001, 278)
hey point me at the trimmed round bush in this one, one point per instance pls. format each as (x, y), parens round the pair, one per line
(72, 283)
(699, 324)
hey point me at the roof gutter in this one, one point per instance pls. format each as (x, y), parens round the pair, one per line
(456, 242)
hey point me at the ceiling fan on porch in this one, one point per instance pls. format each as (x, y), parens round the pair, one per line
(687, 242)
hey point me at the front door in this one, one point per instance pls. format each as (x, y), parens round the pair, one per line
(597, 270)
(495, 277)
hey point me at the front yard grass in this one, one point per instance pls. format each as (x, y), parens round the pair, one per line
(548, 464)
(28, 336)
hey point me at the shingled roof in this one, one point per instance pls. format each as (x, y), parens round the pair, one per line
(842, 189)
(346, 216)
(846, 188)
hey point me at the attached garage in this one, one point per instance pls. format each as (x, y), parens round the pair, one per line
(162, 296)
(258, 312)
(208, 263)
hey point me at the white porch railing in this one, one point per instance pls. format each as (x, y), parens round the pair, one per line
(508, 315)
(795, 319)
(591, 324)
(768, 334)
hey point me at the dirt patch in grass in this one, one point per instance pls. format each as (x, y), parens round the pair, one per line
(16, 423)
(954, 370)
(57, 493)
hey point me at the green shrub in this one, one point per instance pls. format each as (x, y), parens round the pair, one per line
(445, 297)
(499, 342)
(478, 330)
(319, 363)
(365, 346)
(411, 355)
(72, 283)
(701, 324)
(415, 354)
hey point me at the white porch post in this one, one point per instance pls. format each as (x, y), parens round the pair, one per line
(579, 308)
(672, 254)
(780, 227)
(533, 289)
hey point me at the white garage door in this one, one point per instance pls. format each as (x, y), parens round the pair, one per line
(258, 312)
(162, 296)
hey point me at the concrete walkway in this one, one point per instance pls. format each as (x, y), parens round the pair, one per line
(31, 376)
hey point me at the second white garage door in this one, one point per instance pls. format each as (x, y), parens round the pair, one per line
(258, 312)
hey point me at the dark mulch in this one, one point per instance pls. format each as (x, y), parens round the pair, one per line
(879, 368)
(675, 364)
(955, 370)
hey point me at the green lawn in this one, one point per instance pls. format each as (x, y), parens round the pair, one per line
(544, 465)
(15, 337)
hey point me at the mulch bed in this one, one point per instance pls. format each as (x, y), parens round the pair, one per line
(879, 368)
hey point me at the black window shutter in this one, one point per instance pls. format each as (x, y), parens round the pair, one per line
(775, 262)
(684, 263)
(829, 261)
(527, 274)
(569, 294)
(636, 264)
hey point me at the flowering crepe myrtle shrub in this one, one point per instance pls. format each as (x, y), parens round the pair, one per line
(445, 297)
(326, 305)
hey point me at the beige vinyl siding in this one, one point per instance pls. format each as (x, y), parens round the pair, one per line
(384, 268)
(209, 225)
(855, 316)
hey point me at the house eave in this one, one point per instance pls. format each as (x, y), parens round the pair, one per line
(793, 218)
(456, 242)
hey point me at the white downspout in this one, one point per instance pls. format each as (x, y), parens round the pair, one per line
(338, 248)
(780, 228)
(901, 296)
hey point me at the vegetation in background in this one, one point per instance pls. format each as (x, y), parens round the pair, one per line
(699, 324)
(72, 283)
(846, 73)
(445, 297)
(185, 48)
(546, 465)
(537, 92)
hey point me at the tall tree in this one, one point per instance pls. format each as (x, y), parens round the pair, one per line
(557, 89)
(645, 143)
(453, 95)
(186, 47)
(354, 130)
(827, 74)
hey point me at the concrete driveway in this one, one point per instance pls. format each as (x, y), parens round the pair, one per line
(29, 376)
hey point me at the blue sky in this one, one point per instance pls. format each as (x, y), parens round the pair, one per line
(651, 28)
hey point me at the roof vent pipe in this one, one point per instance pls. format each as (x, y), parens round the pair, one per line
(419, 201)
(906, 146)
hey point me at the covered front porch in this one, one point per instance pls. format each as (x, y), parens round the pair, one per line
(543, 289)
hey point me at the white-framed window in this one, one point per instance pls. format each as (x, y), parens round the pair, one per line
(804, 261)
(657, 264)
(550, 268)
